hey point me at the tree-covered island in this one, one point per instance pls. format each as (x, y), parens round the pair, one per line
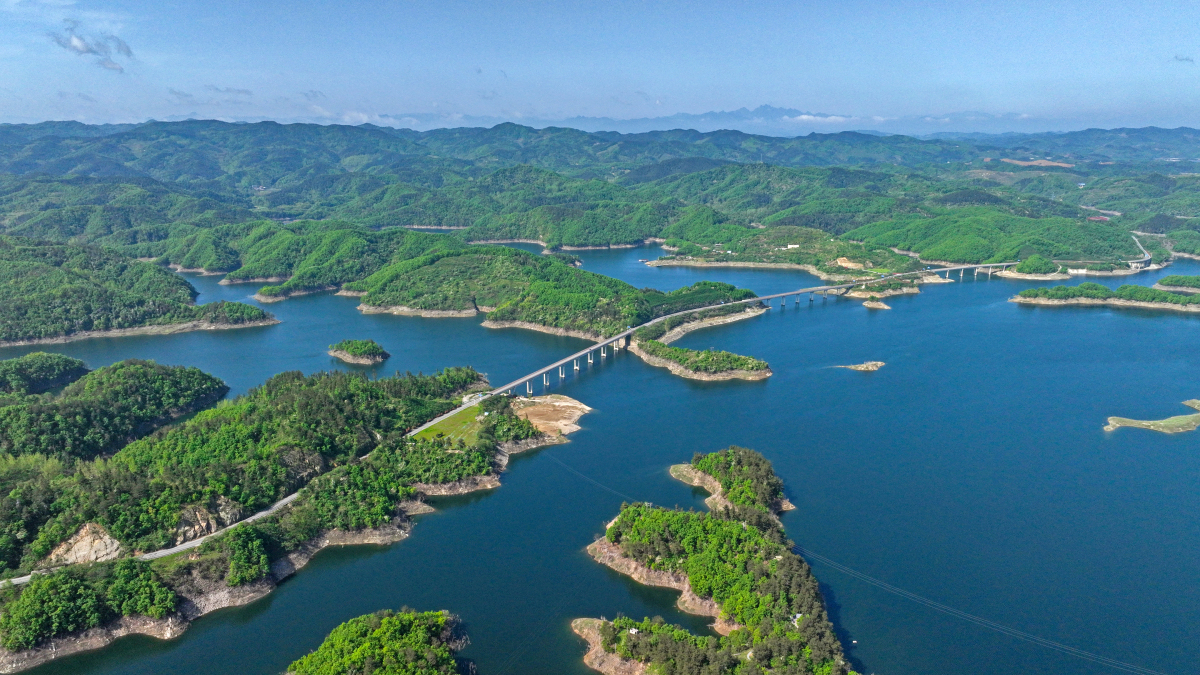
(733, 563)
(389, 643)
(363, 352)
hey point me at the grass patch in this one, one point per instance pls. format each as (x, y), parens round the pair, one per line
(462, 426)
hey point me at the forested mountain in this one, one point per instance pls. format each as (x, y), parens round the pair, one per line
(309, 207)
(53, 290)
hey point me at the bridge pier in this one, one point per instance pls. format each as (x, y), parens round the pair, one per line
(811, 297)
(961, 273)
(528, 387)
(589, 358)
(561, 374)
(602, 354)
(545, 379)
(976, 272)
(576, 364)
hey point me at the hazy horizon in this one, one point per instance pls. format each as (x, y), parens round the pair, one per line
(891, 67)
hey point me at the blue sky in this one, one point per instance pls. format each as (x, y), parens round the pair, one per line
(1061, 64)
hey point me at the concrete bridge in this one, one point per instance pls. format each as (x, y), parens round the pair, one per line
(600, 349)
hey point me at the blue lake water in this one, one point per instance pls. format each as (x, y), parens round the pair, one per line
(972, 469)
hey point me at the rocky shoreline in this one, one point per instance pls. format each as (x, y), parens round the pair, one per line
(598, 659)
(401, 310)
(161, 329)
(610, 555)
(1110, 302)
(566, 332)
(1176, 289)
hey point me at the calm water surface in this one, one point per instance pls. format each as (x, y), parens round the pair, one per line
(972, 469)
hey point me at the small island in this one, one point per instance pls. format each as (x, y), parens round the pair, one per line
(733, 563)
(361, 352)
(868, 367)
(1127, 296)
(1171, 425)
(404, 642)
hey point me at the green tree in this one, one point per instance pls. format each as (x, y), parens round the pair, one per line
(51, 604)
(248, 560)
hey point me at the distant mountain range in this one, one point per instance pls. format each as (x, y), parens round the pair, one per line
(765, 120)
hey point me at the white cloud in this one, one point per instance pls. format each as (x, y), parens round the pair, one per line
(103, 48)
(818, 119)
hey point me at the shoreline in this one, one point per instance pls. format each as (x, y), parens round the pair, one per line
(1056, 276)
(565, 332)
(610, 555)
(685, 328)
(598, 659)
(253, 280)
(1176, 289)
(1114, 273)
(866, 293)
(195, 270)
(1111, 302)
(686, 473)
(401, 310)
(811, 269)
(158, 329)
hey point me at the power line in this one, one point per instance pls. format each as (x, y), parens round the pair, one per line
(1000, 628)
(977, 620)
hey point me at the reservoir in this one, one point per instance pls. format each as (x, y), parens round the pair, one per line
(972, 470)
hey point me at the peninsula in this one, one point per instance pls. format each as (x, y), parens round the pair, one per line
(360, 352)
(652, 344)
(1178, 283)
(1171, 425)
(354, 488)
(1126, 297)
(732, 563)
(51, 293)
